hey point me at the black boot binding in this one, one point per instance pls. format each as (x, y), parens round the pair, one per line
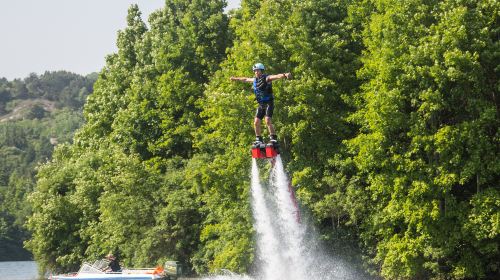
(258, 140)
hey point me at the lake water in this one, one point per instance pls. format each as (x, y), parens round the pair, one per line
(18, 270)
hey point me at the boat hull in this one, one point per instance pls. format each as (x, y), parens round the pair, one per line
(108, 277)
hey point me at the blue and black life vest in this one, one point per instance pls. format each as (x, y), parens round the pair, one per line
(263, 89)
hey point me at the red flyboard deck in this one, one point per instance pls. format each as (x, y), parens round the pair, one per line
(265, 151)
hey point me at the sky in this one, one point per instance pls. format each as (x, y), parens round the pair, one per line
(72, 35)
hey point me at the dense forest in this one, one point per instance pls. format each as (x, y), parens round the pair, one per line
(36, 113)
(389, 130)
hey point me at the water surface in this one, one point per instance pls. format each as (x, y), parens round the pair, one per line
(26, 270)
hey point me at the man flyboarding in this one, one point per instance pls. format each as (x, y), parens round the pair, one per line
(262, 87)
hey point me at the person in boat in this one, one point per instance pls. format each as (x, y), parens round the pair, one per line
(113, 265)
(262, 87)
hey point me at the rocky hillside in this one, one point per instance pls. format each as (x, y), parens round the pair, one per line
(27, 108)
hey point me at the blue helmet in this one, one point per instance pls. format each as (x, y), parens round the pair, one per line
(258, 66)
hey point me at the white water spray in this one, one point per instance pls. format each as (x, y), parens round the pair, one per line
(267, 242)
(286, 248)
(292, 232)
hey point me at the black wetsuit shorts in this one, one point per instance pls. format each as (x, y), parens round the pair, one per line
(265, 109)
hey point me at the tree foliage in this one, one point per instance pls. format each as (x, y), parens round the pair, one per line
(143, 110)
(66, 89)
(428, 138)
(389, 130)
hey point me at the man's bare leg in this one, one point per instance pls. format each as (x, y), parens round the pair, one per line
(270, 128)
(257, 122)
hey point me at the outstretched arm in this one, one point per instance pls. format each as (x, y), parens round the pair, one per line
(242, 79)
(279, 76)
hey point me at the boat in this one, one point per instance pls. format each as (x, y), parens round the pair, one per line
(96, 271)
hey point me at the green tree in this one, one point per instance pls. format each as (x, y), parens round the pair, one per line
(110, 90)
(36, 112)
(312, 40)
(389, 129)
(124, 175)
(429, 138)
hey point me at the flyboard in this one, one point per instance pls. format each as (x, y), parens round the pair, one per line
(266, 151)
